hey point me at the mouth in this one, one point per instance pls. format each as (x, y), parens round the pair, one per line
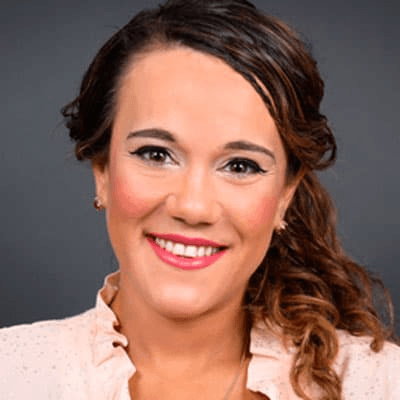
(185, 256)
(187, 250)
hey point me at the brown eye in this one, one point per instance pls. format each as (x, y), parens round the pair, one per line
(153, 154)
(243, 167)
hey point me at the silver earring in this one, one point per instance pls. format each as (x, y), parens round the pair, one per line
(97, 204)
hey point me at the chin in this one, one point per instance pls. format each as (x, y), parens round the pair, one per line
(183, 304)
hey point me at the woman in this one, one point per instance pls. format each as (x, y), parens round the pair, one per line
(202, 125)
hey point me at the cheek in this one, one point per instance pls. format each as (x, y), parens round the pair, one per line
(254, 222)
(130, 197)
(258, 214)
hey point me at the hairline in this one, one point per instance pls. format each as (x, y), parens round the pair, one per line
(161, 43)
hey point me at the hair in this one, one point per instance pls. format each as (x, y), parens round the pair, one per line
(305, 286)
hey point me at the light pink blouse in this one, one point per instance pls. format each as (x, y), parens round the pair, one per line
(83, 357)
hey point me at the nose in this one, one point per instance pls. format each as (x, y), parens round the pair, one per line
(193, 199)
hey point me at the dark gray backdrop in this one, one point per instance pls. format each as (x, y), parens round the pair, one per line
(54, 248)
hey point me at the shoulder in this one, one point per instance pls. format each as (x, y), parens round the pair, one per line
(45, 334)
(39, 353)
(367, 374)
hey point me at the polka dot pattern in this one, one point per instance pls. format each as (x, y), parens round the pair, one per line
(84, 358)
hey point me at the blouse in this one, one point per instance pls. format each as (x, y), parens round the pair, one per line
(83, 357)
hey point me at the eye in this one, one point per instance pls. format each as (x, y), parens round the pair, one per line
(153, 154)
(243, 166)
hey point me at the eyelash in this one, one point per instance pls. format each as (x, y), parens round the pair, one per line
(151, 149)
(145, 152)
(256, 169)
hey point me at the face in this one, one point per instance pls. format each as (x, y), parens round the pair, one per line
(196, 168)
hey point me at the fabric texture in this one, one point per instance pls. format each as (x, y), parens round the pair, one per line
(83, 357)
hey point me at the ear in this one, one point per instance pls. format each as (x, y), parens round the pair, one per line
(101, 181)
(286, 197)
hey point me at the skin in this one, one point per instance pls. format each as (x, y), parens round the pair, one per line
(185, 323)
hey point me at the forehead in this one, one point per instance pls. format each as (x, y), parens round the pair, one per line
(181, 86)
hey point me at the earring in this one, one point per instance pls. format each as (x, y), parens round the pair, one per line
(97, 204)
(282, 226)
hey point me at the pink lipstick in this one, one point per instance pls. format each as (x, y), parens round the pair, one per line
(186, 263)
(186, 240)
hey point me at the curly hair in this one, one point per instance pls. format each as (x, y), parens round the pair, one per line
(306, 286)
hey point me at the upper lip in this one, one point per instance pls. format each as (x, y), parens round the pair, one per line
(186, 240)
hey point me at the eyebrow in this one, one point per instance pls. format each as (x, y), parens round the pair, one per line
(248, 146)
(169, 137)
(153, 133)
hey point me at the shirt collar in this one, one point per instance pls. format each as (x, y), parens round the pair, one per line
(106, 336)
(268, 371)
(269, 367)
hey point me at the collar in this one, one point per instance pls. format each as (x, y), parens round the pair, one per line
(269, 367)
(106, 336)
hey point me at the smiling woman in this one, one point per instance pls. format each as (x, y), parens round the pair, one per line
(204, 175)
(201, 121)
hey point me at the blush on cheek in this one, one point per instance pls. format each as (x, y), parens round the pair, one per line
(261, 214)
(130, 198)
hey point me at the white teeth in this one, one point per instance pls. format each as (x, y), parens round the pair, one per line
(169, 245)
(180, 249)
(190, 251)
(201, 251)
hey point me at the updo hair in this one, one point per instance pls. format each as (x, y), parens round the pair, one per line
(264, 50)
(306, 287)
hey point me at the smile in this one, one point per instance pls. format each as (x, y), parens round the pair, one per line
(179, 249)
(183, 255)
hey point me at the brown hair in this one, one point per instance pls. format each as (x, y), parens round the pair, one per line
(306, 286)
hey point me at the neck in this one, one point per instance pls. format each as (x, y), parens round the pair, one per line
(215, 339)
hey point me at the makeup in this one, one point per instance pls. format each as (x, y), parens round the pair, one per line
(186, 240)
(185, 263)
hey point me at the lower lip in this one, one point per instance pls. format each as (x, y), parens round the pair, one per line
(182, 262)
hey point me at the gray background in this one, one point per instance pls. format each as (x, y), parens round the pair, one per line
(54, 247)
